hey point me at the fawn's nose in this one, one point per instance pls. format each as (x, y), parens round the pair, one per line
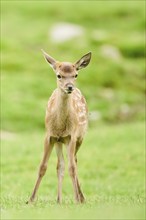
(70, 87)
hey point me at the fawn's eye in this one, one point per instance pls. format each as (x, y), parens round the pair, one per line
(76, 76)
(58, 76)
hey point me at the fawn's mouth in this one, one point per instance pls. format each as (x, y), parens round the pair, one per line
(68, 91)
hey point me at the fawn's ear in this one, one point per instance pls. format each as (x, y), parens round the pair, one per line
(83, 62)
(49, 59)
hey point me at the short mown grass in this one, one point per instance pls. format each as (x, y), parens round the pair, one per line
(111, 170)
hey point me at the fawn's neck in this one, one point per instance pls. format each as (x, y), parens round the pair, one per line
(63, 103)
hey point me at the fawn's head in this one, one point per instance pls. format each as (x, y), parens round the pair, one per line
(67, 72)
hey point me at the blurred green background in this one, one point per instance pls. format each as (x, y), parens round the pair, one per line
(112, 168)
(113, 84)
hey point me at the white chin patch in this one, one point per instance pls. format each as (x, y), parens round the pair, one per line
(67, 92)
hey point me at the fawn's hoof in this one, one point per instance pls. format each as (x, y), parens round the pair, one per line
(30, 201)
(82, 199)
(59, 201)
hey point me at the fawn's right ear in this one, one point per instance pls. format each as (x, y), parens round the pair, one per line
(49, 59)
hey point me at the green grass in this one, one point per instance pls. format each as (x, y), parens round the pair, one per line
(111, 170)
(27, 81)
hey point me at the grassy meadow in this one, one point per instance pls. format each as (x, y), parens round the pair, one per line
(111, 170)
(112, 157)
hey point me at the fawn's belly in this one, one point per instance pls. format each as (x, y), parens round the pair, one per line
(63, 140)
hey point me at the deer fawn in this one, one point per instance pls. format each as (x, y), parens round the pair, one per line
(66, 122)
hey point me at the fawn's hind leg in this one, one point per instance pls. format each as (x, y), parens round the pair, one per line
(60, 170)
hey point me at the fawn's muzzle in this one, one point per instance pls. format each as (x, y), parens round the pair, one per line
(69, 87)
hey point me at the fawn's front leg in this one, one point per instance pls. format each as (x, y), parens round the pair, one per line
(48, 146)
(73, 172)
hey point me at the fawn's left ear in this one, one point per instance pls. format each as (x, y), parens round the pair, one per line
(83, 62)
(49, 59)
